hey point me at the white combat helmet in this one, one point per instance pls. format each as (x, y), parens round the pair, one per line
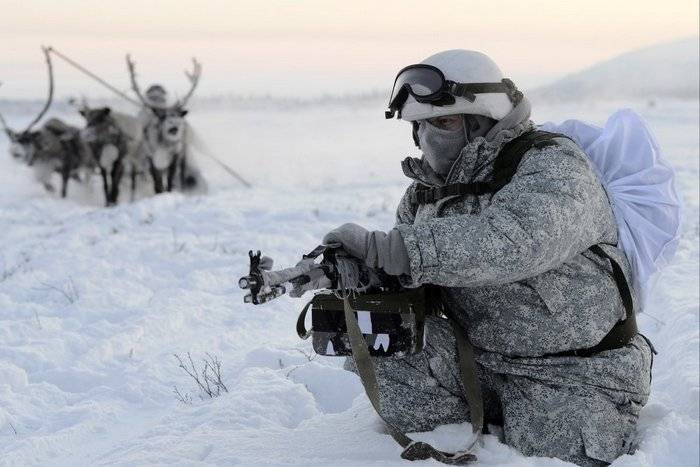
(462, 66)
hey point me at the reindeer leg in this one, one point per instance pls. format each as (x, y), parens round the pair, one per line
(65, 176)
(117, 172)
(133, 182)
(66, 170)
(172, 168)
(105, 184)
(183, 175)
(157, 178)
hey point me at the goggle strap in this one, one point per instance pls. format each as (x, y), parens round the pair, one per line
(470, 90)
(465, 90)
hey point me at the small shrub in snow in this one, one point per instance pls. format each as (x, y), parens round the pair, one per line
(10, 271)
(207, 377)
(69, 290)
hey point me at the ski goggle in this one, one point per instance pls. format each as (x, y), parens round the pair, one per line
(427, 85)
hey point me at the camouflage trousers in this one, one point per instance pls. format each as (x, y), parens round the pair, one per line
(579, 409)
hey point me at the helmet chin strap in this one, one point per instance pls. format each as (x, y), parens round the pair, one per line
(416, 140)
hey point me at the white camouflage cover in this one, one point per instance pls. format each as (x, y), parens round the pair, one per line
(640, 184)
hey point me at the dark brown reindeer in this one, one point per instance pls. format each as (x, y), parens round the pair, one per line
(109, 146)
(55, 147)
(165, 138)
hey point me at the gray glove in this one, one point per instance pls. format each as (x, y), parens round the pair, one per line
(378, 250)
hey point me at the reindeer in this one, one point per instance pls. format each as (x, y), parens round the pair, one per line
(109, 145)
(56, 147)
(165, 136)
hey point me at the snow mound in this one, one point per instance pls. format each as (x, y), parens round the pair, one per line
(660, 71)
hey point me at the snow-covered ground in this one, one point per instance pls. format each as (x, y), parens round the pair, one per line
(94, 302)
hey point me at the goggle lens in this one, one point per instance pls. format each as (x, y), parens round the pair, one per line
(423, 81)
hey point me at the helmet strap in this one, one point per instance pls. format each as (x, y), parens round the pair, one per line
(416, 140)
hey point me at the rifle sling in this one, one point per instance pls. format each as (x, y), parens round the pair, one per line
(413, 450)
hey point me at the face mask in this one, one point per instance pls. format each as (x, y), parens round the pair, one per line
(477, 125)
(440, 147)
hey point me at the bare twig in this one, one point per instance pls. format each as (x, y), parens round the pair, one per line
(184, 398)
(70, 292)
(207, 378)
(215, 367)
(9, 272)
(309, 355)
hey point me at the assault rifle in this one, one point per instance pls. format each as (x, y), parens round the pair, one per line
(265, 284)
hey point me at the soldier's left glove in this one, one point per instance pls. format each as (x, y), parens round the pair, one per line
(378, 250)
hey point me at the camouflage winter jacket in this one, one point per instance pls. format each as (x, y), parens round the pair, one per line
(515, 267)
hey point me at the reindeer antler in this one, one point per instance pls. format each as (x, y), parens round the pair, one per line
(3, 122)
(135, 85)
(193, 78)
(50, 98)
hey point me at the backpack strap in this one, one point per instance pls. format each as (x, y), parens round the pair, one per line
(623, 331)
(505, 166)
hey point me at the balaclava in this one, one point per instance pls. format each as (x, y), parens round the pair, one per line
(441, 148)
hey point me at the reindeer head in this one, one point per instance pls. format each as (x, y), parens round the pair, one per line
(98, 123)
(169, 123)
(167, 127)
(24, 144)
(102, 134)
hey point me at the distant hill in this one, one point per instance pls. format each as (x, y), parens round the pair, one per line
(663, 70)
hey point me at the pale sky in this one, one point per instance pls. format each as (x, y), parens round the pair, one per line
(311, 47)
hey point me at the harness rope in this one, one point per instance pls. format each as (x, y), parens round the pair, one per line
(94, 76)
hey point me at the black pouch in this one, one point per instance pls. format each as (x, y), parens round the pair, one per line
(392, 322)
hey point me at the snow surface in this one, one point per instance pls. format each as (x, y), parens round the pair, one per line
(94, 302)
